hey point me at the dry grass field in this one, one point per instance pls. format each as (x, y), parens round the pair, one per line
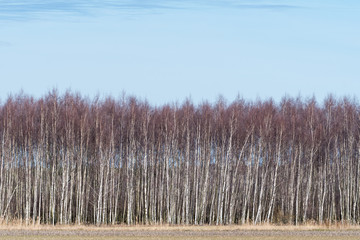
(42, 237)
(248, 232)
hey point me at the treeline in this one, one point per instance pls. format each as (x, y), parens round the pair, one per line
(67, 159)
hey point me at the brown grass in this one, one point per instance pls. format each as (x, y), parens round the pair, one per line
(165, 227)
(17, 230)
(177, 238)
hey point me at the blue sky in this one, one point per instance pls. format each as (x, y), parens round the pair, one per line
(166, 51)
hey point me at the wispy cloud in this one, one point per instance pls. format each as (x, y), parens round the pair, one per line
(32, 9)
(5, 44)
(267, 6)
(23, 10)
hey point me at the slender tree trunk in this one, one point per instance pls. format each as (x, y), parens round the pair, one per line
(273, 195)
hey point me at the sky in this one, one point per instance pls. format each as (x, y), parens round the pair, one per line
(168, 50)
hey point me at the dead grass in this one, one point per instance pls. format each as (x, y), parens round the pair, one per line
(177, 238)
(16, 230)
(165, 227)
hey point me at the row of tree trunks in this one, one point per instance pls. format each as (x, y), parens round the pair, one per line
(66, 159)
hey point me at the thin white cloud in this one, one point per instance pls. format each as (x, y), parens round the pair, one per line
(33, 9)
(5, 44)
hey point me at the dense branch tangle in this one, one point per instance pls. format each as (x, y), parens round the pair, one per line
(66, 159)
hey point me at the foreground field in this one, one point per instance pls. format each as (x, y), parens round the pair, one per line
(9, 232)
(179, 237)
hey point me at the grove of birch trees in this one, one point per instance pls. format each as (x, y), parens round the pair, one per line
(67, 159)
